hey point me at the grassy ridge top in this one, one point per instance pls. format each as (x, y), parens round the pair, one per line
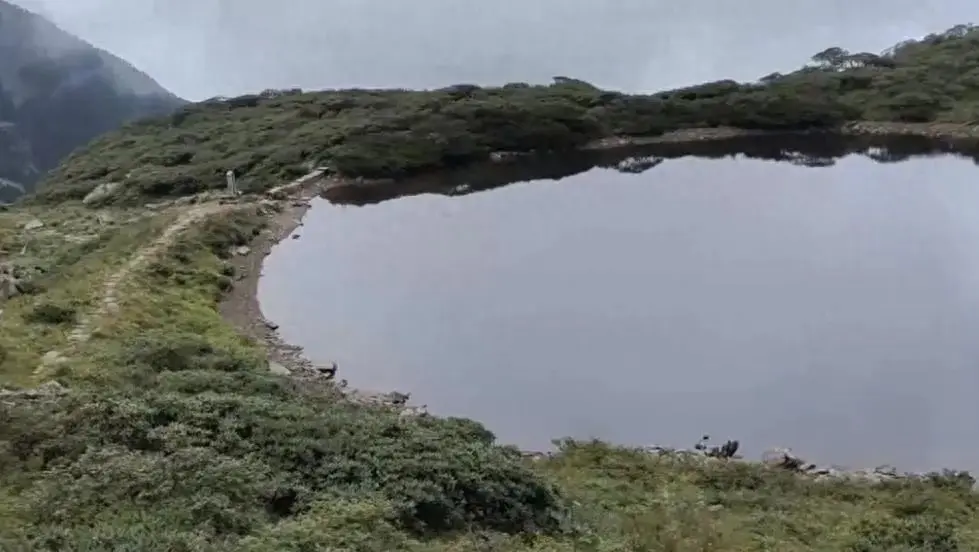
(168, 432)
(392, 133)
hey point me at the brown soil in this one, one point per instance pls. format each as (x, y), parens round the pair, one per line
(240, 306)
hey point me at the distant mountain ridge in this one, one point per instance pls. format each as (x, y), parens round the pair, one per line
(57, 92)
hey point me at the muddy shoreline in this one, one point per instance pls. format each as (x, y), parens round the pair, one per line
(241, 306)
(286, 207)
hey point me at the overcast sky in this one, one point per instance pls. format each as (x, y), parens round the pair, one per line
(203, 48)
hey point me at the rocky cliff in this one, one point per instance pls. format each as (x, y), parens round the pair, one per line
(57, 92)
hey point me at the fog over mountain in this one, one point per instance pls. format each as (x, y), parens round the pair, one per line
(226, 47)
(57, 92)
(200, 50)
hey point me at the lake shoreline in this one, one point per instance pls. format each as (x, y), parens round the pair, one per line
(878, 130)
(287, 206)
(293, 201)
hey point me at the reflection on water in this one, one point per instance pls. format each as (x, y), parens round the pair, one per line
(831, 309)
(805, 149)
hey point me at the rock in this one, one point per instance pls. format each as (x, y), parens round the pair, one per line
(889, 471)
(47, 389)
(242, 250)
(33, 225)
(10, 286)
(636, 165)
(53, 358)
(413, 411)
(186, 200)
(101, 193)
(506, 156)
(782, 458)
(51, 388)
(271, 325)
(536, 456)
(396, 398)
(278, 369)
(328, 370)
(295, 236)
(79, 238)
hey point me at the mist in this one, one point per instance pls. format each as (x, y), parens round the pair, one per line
(228, 47)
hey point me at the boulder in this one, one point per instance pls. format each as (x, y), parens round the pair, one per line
(783, 458)
(9, 286)
(53, 358)
(279, 369)
(33, 224)
(101, 193)
(328, 370)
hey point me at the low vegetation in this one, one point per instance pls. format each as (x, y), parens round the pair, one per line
(276, 135)
(166, 430)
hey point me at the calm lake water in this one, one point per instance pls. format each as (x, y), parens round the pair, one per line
(834, 310)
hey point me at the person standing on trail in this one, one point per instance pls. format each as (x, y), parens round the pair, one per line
(232, 182)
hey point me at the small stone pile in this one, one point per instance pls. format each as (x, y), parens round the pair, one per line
(11, 283)
(776, 458)
(785, 459)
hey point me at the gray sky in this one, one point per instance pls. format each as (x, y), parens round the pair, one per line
(203, 48)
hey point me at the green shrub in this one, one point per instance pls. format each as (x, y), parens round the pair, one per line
(916, 534)
(151, 450)
(176, 351)
(51, 313)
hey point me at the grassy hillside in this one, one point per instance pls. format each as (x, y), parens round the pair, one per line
(394, 133)
(165, 430)
(46, 74)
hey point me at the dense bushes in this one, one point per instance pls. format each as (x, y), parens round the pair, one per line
(400, 133)
(226, 463)
(393, 133)
(185, 442)
(50, 313)
(175, 436)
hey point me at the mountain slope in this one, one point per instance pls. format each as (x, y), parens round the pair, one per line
(142, 419)
(57, 92)
(278, 135)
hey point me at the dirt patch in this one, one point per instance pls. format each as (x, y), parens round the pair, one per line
(109, 302)
(240, 306)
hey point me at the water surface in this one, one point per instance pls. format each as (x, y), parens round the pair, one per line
(832, 309)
